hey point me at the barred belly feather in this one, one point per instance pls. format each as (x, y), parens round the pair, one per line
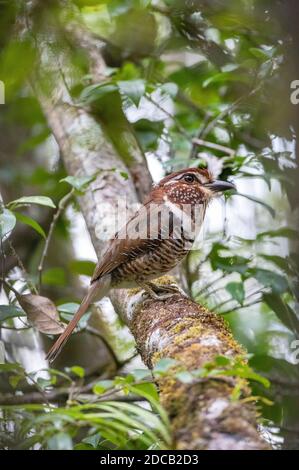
(151, 265)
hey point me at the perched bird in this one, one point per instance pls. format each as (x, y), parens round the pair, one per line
(154, 240)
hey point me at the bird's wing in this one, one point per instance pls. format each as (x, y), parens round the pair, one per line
(128, 243)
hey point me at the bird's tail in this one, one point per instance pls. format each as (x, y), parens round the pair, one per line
(97, 290)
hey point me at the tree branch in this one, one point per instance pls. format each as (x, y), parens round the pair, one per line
(92, 45)
(203, 414)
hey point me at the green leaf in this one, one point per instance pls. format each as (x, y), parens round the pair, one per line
(283, 311)
(70, 307)
(149, 133)
(278, 368)
(84, 267)
(93, 93)
(198, 373)
(185, 377)
(124, 174)
(31, 222)
(146, 390)
(79, 182)
(258, 201)
(222, 361)
(40, 200)
(282, 263)
(236, 290)
(11, 366)
(44, 383)
(79, 371)
(229, 264)
(259, 53)
(7, 222)
(92, 440)
(170, 89)
(101, 386)
(140, 374)
(118, 7)
(54, 277)
(225, 77)
(14, 380)
(284, 232)
(60, 441)
(34, 141)
(10, 311)
(246, 372)
(133, 89)
(68, 310)
(164, 365)
(276, 282)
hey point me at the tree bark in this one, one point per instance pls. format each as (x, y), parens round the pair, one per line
(202, 414)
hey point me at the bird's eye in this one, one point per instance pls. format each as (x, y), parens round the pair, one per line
(189, 178)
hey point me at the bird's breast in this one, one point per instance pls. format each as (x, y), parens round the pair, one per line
(151, 264)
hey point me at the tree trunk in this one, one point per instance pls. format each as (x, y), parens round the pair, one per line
(203, 414)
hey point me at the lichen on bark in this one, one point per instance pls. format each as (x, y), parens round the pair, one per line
(203, 414)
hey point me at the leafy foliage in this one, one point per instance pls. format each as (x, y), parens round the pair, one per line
(102, 420)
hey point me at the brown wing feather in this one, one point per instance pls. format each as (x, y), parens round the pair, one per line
(124, 246)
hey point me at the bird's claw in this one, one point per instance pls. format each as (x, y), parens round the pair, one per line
(161, 293)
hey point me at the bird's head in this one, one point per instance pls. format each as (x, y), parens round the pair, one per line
(192, 186)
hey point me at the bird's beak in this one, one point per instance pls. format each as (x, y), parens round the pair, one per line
(220, 186)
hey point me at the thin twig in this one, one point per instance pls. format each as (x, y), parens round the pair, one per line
(96, 333)
(30, 285)
(2, 252)
(59, 396)
(39, 388)
(62, 394)
(14, 328)
(214, 146)
(195, 140)
(240, 307)
(61, 206)
(216, 307)
(185, 100)
(171, 116)
(206, 287)
(128, 360)
(10, 287)
(229, 109)
(2, 259)
(193, 152)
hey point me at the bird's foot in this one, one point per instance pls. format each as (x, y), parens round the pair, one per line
(166, 288)
(154, 292)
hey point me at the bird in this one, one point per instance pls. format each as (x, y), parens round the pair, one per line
(157, 237)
